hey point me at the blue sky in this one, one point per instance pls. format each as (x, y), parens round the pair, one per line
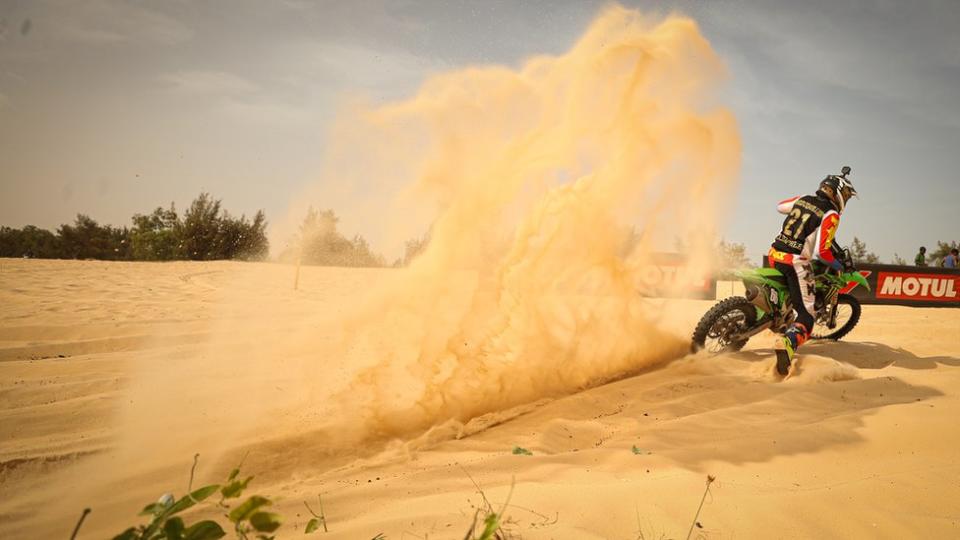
(114, 107)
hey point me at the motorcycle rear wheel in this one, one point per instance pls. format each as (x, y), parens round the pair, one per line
(730, 316)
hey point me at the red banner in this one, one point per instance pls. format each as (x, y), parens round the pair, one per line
(927, 286)
(911, 286)
(669, 277)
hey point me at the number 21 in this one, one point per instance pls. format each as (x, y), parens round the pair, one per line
(795, 215)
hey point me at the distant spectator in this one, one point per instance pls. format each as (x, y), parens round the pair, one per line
(950, 261)
(921, 258)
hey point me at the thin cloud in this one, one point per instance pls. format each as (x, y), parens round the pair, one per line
(107, 22)
(262, 111)
(892, 56)
(237, 97)
(373, 68)
(212, 83)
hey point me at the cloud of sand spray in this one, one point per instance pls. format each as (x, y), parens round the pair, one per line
(536, 176)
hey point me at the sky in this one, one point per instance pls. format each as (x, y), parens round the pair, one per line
(113, 107)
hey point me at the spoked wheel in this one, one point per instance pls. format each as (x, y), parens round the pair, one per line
(848, 314)
(717, 330)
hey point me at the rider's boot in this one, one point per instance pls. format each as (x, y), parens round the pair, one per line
(785, 351)
(786, 347)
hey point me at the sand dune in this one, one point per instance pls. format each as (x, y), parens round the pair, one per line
(113, 374)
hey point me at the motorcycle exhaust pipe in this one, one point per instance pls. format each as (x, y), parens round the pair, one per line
(755, 296)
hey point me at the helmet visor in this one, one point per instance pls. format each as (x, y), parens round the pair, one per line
(847, 190)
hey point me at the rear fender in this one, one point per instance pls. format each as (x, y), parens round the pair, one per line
(761, 276)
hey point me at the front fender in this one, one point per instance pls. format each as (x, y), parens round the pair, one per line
(853, 279)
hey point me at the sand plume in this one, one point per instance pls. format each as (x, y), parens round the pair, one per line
(547, 189)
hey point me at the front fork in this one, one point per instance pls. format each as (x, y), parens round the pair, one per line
(832, 297)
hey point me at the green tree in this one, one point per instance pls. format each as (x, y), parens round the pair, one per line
(87, 239)
(205, 233)
(198, 233)
(733, 255)
(31, 241)
(240, 239)
(252, 244)
(118, 243)
(858, 250)
(320, 243)
(730, 256)
(936, 257)
(156, 236)
(413, 248)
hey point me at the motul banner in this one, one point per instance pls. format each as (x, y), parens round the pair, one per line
(908, 285)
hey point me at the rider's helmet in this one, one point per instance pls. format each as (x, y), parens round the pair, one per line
(841, 189)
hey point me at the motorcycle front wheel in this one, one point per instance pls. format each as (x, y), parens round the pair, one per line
(848, 315)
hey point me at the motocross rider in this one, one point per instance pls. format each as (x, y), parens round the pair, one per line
(806, 236)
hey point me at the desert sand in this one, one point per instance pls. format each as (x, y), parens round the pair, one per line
(113, 375)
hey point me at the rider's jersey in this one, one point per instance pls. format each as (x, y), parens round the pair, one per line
(808, 230)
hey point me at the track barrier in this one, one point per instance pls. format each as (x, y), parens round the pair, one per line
(916, 286)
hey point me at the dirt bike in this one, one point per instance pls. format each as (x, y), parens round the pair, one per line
(766, 305)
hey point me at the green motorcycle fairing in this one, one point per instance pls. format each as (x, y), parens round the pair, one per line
(773, 278)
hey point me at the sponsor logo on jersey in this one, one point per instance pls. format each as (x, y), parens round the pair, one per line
(780, 256)
(904, 286)
(812, 208)
(787, 241)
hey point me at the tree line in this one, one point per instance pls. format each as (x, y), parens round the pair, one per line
(204, 232)
(208, 232)
(319, 242)
(858, 250)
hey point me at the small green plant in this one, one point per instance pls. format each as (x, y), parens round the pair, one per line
(491, 527)
(166, 524)
(318, 519)
(248, 518)
(519, 451)
(492, 520)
